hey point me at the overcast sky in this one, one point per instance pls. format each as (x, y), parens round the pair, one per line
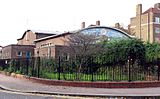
(16, 16)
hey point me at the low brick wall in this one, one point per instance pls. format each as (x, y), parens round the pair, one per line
(136, 84)
(114, 84)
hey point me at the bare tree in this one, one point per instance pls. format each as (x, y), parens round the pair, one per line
(82, 47)
(82, 44)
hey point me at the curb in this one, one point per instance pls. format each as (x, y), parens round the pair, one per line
(112, 85)
(80, 94)
(76, 94)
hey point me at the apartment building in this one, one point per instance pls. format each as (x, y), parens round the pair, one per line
(146, 25)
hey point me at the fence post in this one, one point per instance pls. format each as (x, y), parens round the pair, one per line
(18, 64)
(38, 65)
(32, 66)
(158, 64)
(27, 63)
(91, 60)
(59, 66)
(129, 69)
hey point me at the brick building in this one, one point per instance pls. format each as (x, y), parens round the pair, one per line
(146, 25)
(29, 36)
(55, 45)
(17, 51)
(47, 46)
(118, 26)
(25, 46)
(33, 44)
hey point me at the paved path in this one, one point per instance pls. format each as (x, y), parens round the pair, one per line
(23, 85)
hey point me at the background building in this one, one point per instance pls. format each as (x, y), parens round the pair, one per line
(119, 26)
(146, 25)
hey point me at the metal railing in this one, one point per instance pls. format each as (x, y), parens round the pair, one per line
(88, 70)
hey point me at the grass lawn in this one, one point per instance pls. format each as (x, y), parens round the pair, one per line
(95, 77)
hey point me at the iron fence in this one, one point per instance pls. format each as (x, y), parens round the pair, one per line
(88, 69)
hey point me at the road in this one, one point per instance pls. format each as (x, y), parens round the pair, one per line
(18, 95)
(15, 95)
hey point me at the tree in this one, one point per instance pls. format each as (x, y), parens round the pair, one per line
(118, 51)
(82, 44)
(81, 48)
(152, 52)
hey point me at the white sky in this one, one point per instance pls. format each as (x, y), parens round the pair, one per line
(16, 16)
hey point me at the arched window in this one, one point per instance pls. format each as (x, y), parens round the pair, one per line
(105, 32)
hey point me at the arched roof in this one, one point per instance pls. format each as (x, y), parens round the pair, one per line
(104, 27)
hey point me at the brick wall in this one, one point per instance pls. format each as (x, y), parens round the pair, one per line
(43, 46)
(143, 25)
(11, 51)
(138, 84)
(28, 38)
(41, 35)
(6, 52)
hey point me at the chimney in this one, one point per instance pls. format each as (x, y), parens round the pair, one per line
(117, 25)
(139, 9)
(157, 5)
(98, 23)
(83, 25)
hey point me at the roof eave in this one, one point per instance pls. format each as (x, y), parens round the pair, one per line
(52, 36)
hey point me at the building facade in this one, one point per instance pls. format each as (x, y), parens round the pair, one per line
(17, 51)
(46, 47)
(146, 25)
(108, 33)
(56, 45)
(29, 36)
(25, 46)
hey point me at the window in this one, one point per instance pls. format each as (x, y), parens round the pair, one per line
(46, 44)
(49, 52)
(115, 34)
(65, 56)
(157, 19)
(104, 33)
(19, 53)
(28, 54)
(157, 39)
(157, 30)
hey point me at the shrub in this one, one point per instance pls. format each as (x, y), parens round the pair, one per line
(120, 50)
(152, 52)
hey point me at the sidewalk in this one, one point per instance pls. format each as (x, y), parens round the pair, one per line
(22, 85)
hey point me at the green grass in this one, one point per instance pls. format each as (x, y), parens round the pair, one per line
(102, 74)
(88, 77)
